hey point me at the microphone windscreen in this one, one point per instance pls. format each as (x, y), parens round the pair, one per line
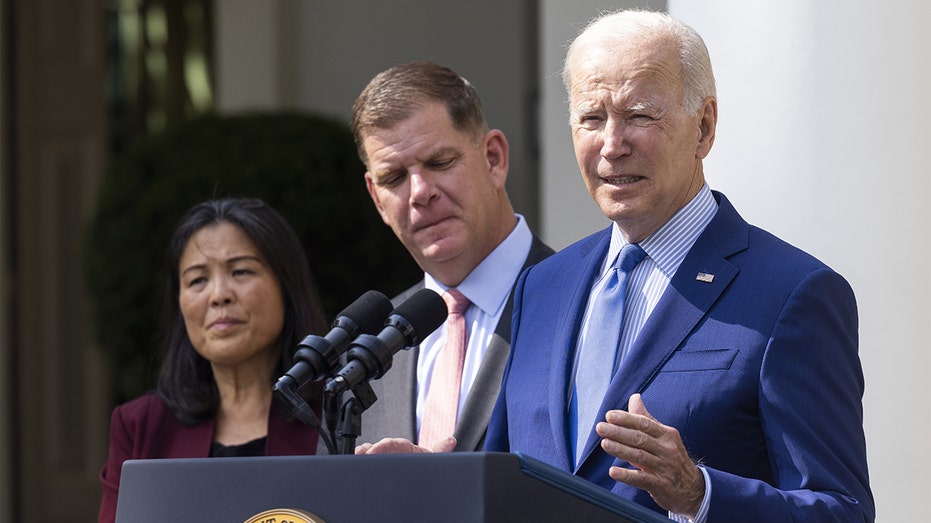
(425, 311)
(369, 311)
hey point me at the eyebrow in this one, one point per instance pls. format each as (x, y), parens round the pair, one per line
(381, 173)
(439, 153)
(641, 106)
(233, 260)
(586, 107)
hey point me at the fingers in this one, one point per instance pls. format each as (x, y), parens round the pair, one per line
(445, 445)
(662, 465)
(637, 437)
(403, 446)
(391, 446)
(637, 418)
(642, 444)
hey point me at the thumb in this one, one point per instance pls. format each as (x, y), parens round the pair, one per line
(635, 406)
(444, 445)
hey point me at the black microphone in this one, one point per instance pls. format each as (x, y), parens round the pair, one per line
(317, 357)
(369, 357)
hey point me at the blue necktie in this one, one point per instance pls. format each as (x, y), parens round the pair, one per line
(598, 354)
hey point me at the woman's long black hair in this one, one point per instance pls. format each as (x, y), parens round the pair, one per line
(185, 383)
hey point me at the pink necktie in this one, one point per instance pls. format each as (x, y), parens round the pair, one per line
(442, 404)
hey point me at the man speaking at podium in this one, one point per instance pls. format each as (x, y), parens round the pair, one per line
(437, 174)
(680, 358)
(731, 388)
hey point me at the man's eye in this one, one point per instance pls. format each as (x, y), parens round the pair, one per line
(590, 120)
(390, 180)
(442, 164)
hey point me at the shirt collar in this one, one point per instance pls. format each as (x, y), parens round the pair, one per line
(490, 282)
(668, 245)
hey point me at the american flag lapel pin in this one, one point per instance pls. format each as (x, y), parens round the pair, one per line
(705, 277)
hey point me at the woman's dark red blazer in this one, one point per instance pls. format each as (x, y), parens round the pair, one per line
(144, 429)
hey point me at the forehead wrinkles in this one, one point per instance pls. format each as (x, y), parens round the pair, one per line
(415, 140)
(395, 162)
(642, 88)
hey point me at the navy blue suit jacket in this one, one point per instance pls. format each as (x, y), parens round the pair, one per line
(758, 370)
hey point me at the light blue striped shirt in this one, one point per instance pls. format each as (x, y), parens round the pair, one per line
(665, 248)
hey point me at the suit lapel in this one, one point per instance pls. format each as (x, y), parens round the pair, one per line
(473, 420)
(189, 441)
(289, 437)
(579, 273)
(538, 252)
(682, 306)
(684, 303)
(401, 395)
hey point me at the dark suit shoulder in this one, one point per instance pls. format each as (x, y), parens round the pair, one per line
(538, 251)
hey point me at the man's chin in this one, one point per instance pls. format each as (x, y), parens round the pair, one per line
(440, 251)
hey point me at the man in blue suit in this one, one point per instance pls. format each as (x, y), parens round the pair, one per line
(736, 392)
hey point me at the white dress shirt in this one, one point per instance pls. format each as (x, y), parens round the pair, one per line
(488, 287)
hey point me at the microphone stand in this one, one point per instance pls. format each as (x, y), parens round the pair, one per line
(344, 419)
(369, 357)
(284, 391)
(350, 422)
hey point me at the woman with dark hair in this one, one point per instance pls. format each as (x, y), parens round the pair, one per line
(240, 298)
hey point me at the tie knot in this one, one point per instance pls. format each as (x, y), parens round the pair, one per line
(456, 302)
(630, 255)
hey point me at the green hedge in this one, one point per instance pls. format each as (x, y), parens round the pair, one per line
(303, 165)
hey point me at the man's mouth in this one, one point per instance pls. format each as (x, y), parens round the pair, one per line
(620, 180)
(428, 224)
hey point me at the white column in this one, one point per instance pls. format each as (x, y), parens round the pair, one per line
(824, 139)
(248, 54)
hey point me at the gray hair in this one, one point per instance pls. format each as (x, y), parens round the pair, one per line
(697, 76)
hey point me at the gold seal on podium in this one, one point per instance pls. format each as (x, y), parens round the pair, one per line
(285, 515)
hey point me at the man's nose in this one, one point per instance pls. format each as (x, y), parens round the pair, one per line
(423, 188)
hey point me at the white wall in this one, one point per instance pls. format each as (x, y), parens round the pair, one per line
(317, 55)
(249, 54)
(824, 139)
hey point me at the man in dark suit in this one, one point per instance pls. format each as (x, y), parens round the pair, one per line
(735, 390)
(436, 174)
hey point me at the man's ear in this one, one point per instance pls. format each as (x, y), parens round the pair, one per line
(496, 156)
(707, 125)
(370, 186)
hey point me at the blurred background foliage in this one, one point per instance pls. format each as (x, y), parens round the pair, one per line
(304, 165)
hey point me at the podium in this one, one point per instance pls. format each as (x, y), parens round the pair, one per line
(452, 487)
